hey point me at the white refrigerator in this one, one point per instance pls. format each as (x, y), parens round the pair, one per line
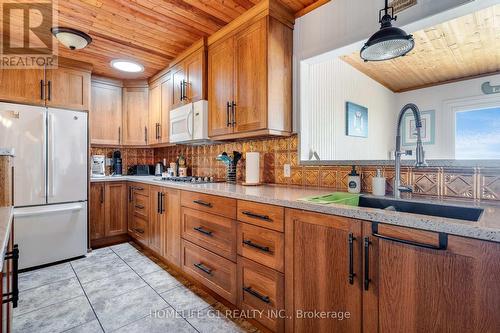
(50, 181)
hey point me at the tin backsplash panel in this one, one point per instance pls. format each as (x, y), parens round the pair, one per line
(130, 156)
(457, 183)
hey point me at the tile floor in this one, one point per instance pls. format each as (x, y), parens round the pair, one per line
(116, 289)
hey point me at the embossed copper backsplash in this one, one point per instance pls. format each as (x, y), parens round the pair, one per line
(130, 156)
(459, 183)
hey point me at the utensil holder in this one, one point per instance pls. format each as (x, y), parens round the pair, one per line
(231, 173)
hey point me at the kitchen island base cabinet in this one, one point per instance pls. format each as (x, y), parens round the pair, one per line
(320, 276)
(415, 288)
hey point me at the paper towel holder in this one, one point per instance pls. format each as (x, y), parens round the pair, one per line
(252, 161)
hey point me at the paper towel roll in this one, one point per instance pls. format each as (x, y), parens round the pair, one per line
(252, 171)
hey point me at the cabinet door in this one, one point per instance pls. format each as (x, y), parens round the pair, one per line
(68, 88)
(220, 87)
(172, 233)
(195, 68)
(154, 114)
(116, 209)
(166, 102)
(178, 82)
(96, 211)
(22, 85)
(417, 289)
(319, 275)
(156, 219)
(250, 89)
(106, 114)
(135, 115)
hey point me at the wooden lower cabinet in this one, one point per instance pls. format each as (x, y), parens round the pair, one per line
(138, 212)
(261, 290)
(213, 271)
(320, 280)
(108, 211)
(413, 288)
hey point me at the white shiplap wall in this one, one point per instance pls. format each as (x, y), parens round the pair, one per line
(326, 87)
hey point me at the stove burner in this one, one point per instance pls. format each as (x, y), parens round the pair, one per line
(189, 179)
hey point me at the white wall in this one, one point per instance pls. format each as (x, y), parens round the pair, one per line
(341, 26)
(327, 86)
(444, 99)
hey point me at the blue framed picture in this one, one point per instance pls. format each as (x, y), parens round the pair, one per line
(428, 131)
(356, 120)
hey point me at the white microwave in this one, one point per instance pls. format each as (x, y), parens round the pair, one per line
(189, 123)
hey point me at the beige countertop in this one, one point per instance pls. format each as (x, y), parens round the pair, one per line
(487, 228)
(6, 215)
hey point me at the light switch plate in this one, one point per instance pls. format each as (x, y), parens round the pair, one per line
(286, 170)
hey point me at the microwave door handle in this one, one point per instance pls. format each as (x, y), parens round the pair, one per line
(190, 123)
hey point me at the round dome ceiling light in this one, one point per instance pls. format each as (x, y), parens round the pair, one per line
(71, 38)
(389, 42)
(127, 66)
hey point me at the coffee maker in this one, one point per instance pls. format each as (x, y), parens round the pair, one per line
(117, 163)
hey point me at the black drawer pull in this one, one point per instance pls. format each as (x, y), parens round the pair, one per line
(141, 231)
(136, 188)
(367, 280)
(139, 206)
(203, 203)
(14, 295)
(252, 292)
(204, 231)
(443, 240)
(203, 268)
(351, 240)
(257, 216)
(257, 246)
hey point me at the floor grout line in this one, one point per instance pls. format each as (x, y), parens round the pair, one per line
(161, 268)
(88, 300)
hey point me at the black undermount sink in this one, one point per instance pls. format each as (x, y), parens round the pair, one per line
(440, 210)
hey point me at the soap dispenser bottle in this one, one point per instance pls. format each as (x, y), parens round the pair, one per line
(354, 181)
(378, 184)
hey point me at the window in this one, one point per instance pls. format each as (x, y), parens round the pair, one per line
(477, 134)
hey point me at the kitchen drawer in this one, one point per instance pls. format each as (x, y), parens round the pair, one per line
(261, 245)
(139, 188)
(212, 232)
(140, 205)
(139, 229)
(209, 203)
(262, 215)
(213, 271)
(261, 288)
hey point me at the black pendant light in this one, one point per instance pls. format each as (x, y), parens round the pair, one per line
(389, 42)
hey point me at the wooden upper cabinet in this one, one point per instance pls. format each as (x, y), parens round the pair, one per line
(250, 66)
(96, 211)
(249, 110)
(166, 102)
(155, 114)
(106, 113)
(220, 87)
(22, 86)
(178, 82)
(319, 275)
(414, 288)
(195, 67)
(68, 88)
(135, 115)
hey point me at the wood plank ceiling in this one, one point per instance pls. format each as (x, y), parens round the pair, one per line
(462, 48)
(151, 32)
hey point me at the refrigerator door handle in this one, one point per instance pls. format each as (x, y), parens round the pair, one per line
(50, 156)
(47, 210)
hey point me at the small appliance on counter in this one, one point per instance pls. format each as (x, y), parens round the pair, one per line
(159, 167)
(117, 163)
(98, 166)
(141, 170)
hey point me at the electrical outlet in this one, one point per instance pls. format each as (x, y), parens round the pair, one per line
(286, 170)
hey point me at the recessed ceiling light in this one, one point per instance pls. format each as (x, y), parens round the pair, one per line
(71, 38)
(127, 66)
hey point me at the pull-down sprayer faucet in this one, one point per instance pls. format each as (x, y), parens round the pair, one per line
(419, 152)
